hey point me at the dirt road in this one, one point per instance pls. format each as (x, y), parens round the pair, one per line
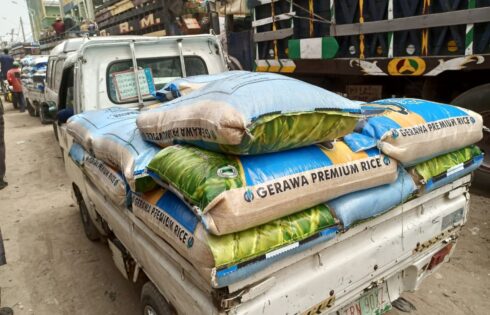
(53, 269)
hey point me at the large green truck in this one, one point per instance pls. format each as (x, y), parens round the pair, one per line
(370, 49)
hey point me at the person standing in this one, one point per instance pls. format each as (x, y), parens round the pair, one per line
(6, 62)
(59, 26)
(84, 27)
(3, 183)
(13, 77)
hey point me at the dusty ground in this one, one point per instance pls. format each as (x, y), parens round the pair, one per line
(53, 269)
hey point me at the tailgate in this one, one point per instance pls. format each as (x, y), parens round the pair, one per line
(367, 253)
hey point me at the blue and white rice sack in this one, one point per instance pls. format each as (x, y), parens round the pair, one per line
(108, 180)
(123, 147)
(369, 203)
(86, 126)
(413, 130)
(183, 86)
(112, 136)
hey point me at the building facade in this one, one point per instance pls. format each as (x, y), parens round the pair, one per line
(42, 13)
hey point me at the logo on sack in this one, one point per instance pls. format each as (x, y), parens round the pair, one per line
(472, 120)
(395, 134)
(386, 160)
(190, 242)
(228, 171)
(248, 195)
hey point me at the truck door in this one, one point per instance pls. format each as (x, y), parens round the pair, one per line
(66, 106)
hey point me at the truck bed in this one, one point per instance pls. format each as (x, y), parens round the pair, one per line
(392, 250)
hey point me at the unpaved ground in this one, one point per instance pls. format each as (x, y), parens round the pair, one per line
(53, 269)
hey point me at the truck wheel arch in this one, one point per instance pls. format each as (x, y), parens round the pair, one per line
(88, 225)
(153, 302)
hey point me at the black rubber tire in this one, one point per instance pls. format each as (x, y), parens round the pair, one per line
(55, 130)
(43, 119)
(30, 108)
(36, 108)
(152, 299)
(88, 225)
(478, 99)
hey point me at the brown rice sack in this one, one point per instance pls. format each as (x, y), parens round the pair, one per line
(233, 193)
(108, 180)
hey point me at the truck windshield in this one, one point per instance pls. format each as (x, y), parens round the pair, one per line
(163, 70)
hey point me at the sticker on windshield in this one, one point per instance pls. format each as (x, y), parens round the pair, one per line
(125, 84)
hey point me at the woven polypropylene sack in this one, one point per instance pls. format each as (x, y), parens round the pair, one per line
(369, 203)
(446, 168)
(412, 130)
(166, 215)
(184, 86)
(251, 113)
(86, 126)
(233, 193)
(101, 175)
(123, 147)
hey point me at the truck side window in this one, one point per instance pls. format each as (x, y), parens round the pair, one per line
(163, 70)
(57, 73)
(49, 73)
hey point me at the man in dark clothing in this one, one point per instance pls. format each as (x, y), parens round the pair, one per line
(173, 9)
(3, 183)
(6, 62)
(58, 26)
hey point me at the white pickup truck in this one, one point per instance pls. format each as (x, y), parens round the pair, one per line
(358, 272)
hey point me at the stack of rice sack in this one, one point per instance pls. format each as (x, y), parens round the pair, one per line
(111, 151)
(248, 166)
(434, 141)
(240, 169)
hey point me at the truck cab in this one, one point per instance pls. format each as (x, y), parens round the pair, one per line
(80, 75)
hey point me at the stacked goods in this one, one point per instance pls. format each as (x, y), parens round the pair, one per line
(113, 137)
(369, 203)
(172, 220)
(251, 113)
(103, 176)
(412, 131)
(86, 126)
(233, 193)
(445, 168)
(184, 86)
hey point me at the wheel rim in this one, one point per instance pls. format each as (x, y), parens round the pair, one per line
(484, 144)
(149, 310)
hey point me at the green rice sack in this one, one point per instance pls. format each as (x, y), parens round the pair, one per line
(446, 168)
(232, 193)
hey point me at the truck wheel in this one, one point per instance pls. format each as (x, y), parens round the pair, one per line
(30, 108)
(152, 302)
(36, 108)
(55, 130)
(478, 99)
(88, 225)
(42, 116)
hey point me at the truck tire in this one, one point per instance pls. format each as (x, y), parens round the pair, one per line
(30, 108)
(152, 302)
(478, 99)
(88, 225)
(42, 116)
(55, 130)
